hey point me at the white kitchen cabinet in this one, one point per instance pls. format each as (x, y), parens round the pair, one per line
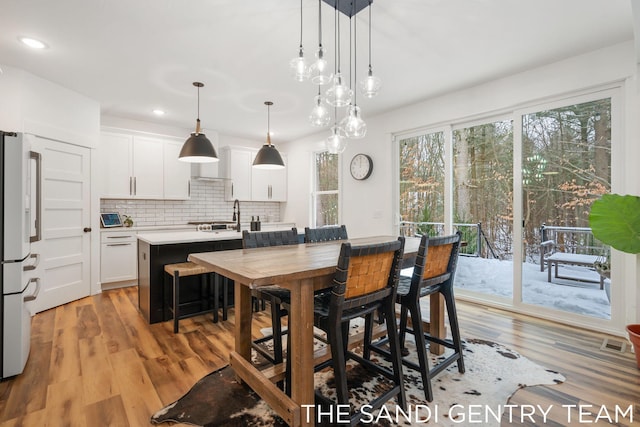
(118, 256)
(117, 163)
(236, 168)
(148, 168)
(177, 174)
(269, 185)
(133, 166)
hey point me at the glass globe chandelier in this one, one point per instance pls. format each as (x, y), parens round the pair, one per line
(353, 125)
(320, 116)
(339, 93)
(370, 85)
(298, 65)
(336, 143)
(319, 70)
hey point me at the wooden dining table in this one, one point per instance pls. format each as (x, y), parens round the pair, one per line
(302, 269)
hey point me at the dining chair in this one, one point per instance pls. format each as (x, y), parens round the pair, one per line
(365, 281)
(275, 296)
(325, 234)
(433, 272)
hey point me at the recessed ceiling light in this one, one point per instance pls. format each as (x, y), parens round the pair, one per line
(33, 43)
(158, 112)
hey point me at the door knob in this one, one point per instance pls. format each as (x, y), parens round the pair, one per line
(87, 229)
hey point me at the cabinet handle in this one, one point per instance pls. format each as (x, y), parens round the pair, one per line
(189, 188)
(118, 244)
(270, 191)
(135, 186)
(119, 237)
(131, 186)
(232, 189)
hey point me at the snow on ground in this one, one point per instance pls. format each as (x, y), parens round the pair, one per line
(495, 277)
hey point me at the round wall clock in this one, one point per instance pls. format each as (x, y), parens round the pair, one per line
(361, 166)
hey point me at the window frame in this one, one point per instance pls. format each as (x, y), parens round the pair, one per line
(314, 193)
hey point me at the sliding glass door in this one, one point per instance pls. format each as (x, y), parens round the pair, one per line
(519, 188)
(566, 165)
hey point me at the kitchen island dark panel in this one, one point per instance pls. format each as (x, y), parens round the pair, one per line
(155, 291)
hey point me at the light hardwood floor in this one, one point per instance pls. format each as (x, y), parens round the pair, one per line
(95, 362)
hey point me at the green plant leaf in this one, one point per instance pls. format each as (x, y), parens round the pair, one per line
(615, 221)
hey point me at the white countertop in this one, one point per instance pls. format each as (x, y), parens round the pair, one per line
(187, 236)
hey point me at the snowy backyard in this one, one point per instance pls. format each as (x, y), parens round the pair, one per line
(491, 276)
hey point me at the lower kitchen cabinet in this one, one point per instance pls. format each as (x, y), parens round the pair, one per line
(155, 291)
(118, 256)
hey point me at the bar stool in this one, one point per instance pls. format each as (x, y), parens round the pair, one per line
(187, 269)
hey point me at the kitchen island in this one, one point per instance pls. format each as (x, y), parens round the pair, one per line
(155, 249)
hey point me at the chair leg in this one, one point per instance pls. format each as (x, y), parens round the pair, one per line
(368, 336)
(403, 329)
(421, 348)
(453, 324)
(276, 318)
(396, 359)
(176, 301)
(336, 342)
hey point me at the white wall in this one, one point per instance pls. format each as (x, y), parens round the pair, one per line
(33, 105)
(368, 207)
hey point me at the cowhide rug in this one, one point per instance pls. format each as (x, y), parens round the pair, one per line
(493, 374)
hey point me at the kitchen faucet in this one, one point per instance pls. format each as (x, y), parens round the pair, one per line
(236, 218)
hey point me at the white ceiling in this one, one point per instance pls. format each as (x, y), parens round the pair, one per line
(136, 55)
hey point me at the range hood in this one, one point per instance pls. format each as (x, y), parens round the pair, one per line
(205, 171)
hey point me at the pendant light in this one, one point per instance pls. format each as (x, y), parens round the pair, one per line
(197, 148)
(336, 143)
(319, 70)
(298, 65)
(370, 86)
(338, 95)
(353, 125)
(268, 157)
(320, 116)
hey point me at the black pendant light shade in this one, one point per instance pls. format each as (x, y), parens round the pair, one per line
(268, 156)
(197, 148)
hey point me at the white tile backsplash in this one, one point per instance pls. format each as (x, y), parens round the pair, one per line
(206, 203)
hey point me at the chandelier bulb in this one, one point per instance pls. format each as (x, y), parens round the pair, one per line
(319, 116)
(336, 143)
(353, 124)
(339, 94)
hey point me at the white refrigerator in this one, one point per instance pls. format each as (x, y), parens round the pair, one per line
(19, 226)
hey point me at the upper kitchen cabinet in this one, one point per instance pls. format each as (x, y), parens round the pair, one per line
(134, 168)
(269, 185)
(235, 166)
(177, 174)
(116, 158)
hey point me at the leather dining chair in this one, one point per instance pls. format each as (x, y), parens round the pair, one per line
(433, 272)
(325, 234)
(365, 281)
(276, 297)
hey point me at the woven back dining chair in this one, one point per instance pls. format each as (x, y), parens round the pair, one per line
(276, 297)
(365, 281)
(433, 272)
(325, 234)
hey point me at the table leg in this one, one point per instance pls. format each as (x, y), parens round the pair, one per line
(301, 351)
(243, 320)
(436, 323)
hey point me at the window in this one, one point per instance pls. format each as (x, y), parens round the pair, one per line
(422, 183)
(325, 196)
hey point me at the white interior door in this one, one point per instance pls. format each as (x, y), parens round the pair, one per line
(65, 248)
